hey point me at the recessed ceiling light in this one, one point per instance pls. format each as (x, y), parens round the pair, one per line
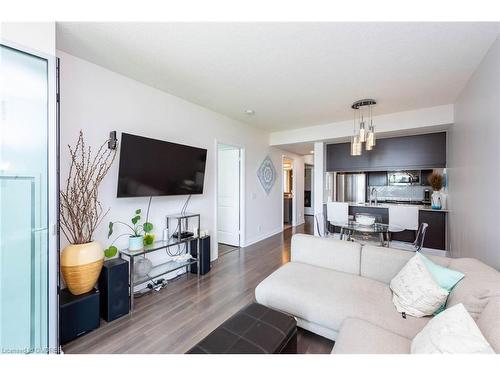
(249, 112)
(312, 151)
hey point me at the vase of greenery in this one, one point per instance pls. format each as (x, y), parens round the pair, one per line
(135, 232)
(436, 181)
(81, 213)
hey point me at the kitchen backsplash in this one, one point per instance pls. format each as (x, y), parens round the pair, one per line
(415, 192)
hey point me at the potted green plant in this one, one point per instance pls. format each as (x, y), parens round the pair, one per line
(149, 237)
(135, 233)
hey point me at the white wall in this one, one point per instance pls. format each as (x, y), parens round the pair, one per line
(37, 36)
(474, 165)
(319, 173)
(298, 188)
(98, 101)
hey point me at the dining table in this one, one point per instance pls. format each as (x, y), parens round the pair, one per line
(382, 230)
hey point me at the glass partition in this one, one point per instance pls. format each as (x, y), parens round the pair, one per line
(23, 202)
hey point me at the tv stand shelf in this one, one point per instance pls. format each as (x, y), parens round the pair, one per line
(170, 265)
(163, 269)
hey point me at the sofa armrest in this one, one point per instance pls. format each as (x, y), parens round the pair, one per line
(330, 253)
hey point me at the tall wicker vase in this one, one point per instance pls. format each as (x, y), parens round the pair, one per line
(81, 266)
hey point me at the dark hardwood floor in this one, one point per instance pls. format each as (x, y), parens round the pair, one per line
(177, 317)
(226, 249)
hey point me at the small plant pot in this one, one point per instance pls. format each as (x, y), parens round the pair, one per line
(149, 239)
(135, 243)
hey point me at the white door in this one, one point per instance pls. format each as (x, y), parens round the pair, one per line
(228, 196)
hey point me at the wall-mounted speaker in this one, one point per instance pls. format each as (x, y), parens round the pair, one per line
(113, 287)
(204, 255)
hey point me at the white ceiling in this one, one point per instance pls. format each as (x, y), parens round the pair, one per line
(292, 74)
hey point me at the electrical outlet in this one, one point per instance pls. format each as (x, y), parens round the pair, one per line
(259, 228)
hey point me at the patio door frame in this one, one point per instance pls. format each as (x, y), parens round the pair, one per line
(52, 191)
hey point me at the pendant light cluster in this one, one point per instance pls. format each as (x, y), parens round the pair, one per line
(364, 131)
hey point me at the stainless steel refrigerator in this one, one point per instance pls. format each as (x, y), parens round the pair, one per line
(351, 187)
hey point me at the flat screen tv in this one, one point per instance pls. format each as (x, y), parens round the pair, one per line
(150, 167)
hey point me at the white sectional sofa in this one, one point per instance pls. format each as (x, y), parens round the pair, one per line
(340, 290)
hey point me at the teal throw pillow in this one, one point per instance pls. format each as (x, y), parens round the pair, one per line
(444, 277)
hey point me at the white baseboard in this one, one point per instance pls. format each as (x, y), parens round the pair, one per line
(262, 237)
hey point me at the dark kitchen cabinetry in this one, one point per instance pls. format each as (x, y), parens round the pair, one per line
(435, 238)
(423, 151)
(377, 178)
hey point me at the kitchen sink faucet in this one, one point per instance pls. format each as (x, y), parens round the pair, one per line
(373, 190)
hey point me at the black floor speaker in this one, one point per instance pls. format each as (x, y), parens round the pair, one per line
(113, 287)
(77, 314)
(204, 255)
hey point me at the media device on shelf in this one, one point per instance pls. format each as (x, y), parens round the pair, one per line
(151, 167)
(184, 234)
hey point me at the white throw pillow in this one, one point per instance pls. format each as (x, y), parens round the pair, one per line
(414, 290)
(452, 331)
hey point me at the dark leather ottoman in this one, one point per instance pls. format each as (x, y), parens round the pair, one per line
(255, 329)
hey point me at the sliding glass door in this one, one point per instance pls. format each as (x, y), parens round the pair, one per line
(24, 211)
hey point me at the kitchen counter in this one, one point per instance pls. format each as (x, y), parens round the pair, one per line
(421, 207)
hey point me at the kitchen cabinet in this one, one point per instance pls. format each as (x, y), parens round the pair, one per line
(435, 238)
(377, 178)
(424, 151)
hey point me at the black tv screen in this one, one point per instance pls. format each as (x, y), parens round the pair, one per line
(150, 167)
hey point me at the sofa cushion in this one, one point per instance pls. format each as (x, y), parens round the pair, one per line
(454, 332)
(415, 291)
(445, 277)
(383, 263)
(327, 298)
(489, 323)
(480, 283)
(343, 256)
(358, 336)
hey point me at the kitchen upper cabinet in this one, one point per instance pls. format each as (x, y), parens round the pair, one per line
(423, 151)
(377, 178)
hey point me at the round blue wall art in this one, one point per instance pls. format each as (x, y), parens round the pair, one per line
(267, 174)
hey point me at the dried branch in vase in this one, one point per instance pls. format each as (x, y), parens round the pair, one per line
(436, 181)
(81, 211)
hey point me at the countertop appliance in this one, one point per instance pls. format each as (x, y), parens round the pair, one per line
(351, 187)
(402, 178)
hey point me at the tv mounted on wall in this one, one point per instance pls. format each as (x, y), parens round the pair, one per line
(150, 167)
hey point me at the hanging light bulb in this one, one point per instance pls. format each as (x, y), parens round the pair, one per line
(362, 130)
(355, 140)
(369, 140)
(356, 148)
(372, 130)
(370, 136)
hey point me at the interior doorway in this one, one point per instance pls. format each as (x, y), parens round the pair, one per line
(229, 172)
(288, 193)
(309, 189)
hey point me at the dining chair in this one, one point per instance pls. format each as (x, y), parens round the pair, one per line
(321, 226)
(417, 244)
(337, 212)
